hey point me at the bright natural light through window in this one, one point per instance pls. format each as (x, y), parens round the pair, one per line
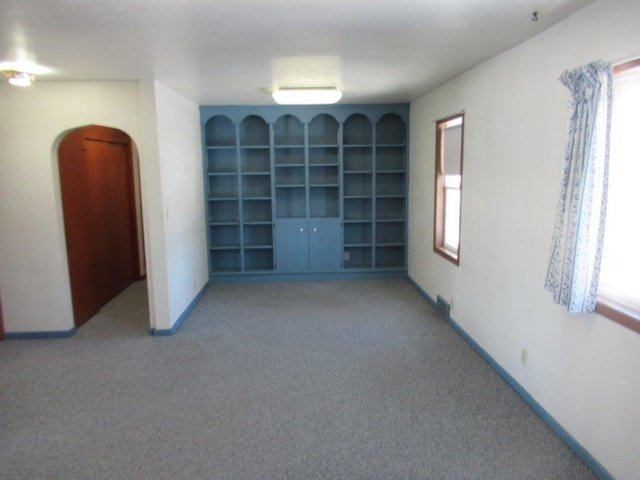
(620, 271)
(452, 212)
(448, 188)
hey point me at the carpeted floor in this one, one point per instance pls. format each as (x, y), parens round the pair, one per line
(326, 380)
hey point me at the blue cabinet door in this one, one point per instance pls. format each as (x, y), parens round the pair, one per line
(325, 244)
(292, 245)
(313, 245)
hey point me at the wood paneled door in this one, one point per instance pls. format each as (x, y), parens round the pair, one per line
(98, 200)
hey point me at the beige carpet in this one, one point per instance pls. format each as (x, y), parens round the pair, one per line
(325, 380)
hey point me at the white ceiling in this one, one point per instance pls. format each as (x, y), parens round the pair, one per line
(230, 51)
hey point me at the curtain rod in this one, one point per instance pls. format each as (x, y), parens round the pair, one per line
(619, 67)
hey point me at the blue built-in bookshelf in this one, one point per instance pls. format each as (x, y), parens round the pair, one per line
(298, 192)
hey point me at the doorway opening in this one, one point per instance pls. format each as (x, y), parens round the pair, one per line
(100, 190)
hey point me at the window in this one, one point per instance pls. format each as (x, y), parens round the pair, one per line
(448, 187)
(619, 285)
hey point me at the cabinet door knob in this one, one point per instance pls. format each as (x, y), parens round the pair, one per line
(301, 229)
(315, 230)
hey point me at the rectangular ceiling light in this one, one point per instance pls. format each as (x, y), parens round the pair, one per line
(307, 96)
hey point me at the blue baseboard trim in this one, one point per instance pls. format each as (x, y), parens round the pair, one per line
(424, 294)
(166, 332)
(558, 429)
(40, 335)
(306, 277)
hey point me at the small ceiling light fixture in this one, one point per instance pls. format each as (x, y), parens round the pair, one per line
(19, 79)
(307, 96)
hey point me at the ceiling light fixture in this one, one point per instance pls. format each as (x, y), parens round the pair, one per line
(307, 96)
(19, 79)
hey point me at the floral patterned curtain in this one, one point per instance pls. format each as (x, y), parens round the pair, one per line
(576, 250)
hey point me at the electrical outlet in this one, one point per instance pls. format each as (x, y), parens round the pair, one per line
(524, 357)
(346, 255)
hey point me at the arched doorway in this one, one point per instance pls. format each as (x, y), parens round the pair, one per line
(100, 216)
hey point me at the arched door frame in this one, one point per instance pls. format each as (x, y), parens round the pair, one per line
(137, 185)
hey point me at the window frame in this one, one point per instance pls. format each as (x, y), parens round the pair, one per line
(608, 307)
(439, 246)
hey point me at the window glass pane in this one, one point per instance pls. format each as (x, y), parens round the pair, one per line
(448, 191)
(451, 150)
(619, 276)
(452, 218)
(452, 181)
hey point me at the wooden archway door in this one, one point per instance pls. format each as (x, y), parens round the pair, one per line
(98, 202)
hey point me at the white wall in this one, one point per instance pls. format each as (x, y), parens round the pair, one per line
(583, 369)
(180, 163)
(33, 266)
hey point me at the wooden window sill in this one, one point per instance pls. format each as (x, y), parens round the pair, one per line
(619, 313)
(447, 254)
